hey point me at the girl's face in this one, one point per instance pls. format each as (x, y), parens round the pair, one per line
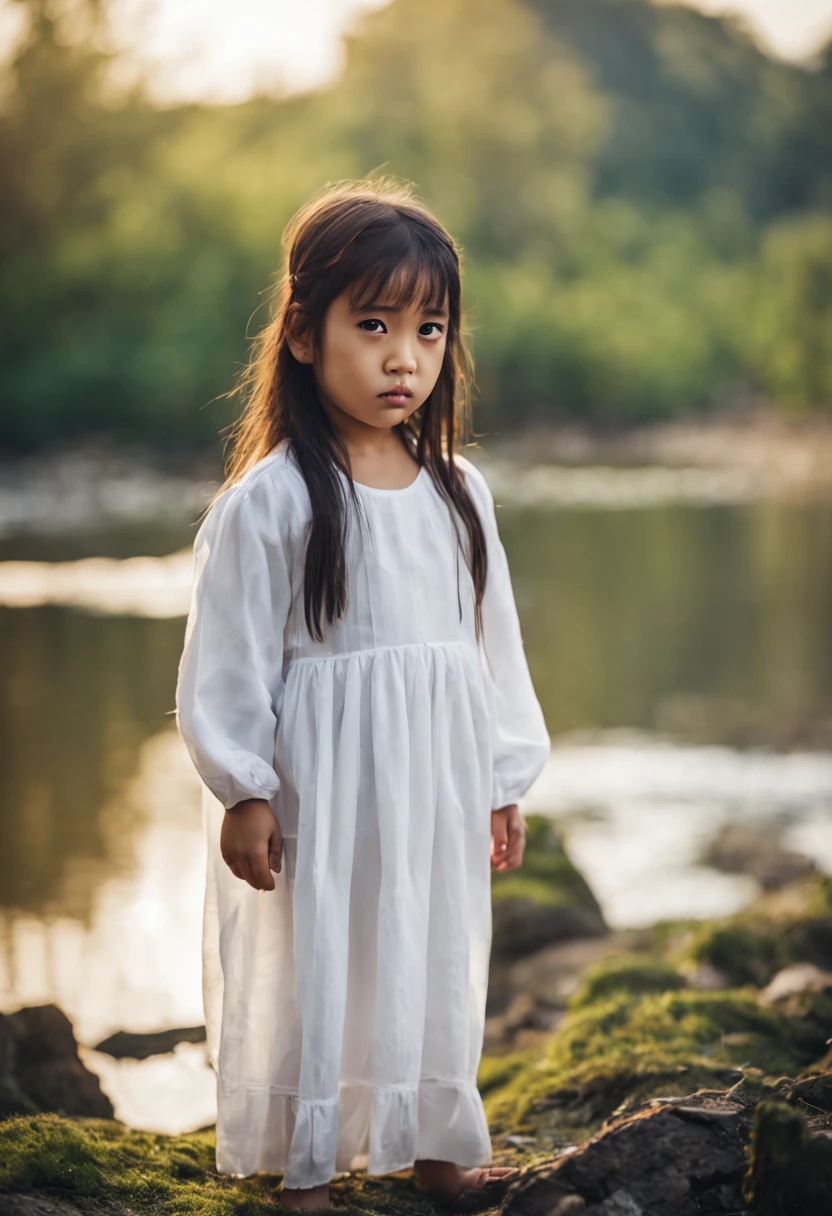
(366, 355)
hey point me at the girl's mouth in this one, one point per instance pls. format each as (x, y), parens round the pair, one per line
(396, 398)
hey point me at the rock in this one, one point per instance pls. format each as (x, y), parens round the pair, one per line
(521, 1142)
(532, 993)
(45, 1066)
(739, 849)
(126, 1046)
(795, 980)
(706, 978)
(619, 1204)
(790, 1170)
(13, 1101)
(545, 901)
(520, 1012)
(675, 1157)
(570, 1205)
(812, 1092)
(527, 1037)
(552, 975)
(31, 1205)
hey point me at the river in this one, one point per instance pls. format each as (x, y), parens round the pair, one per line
(677, 625)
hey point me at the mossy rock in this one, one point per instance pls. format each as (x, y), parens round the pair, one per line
(40, 1069)
(631, 1032)
(630, 973)
(634, 1029)
(547, 900)
(790, 1170)
(752, 946)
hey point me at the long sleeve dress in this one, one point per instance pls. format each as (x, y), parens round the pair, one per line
(345, 1008)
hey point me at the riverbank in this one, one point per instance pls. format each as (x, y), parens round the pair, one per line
(688, 1070)
(786, 454)
(99, 483)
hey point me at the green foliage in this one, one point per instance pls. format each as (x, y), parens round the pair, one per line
(793, 335)
(642, 197)
(697, 107)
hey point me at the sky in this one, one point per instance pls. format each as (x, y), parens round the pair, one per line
(217, 51)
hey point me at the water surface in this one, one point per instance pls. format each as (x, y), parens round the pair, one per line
(680, 647)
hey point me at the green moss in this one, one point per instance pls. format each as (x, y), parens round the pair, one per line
(97, 1158)
(46, 1152)
(103, 1166)
(631, 1031)
(619, 1044)
(538, 891)
(626, 973)
(496, 1071)
(547, 882)
(547, 876)
(743, 955)
(789, 1172)
(819, 902)
(752, 946)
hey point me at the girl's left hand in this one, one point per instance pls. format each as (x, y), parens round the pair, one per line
(508, 838)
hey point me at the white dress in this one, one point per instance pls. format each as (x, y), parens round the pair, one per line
(345, 1009)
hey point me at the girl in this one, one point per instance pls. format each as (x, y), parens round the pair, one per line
(357, 703)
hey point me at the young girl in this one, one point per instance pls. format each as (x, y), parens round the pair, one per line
(355, 697)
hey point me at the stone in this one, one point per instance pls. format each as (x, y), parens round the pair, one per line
(677, 1157)
(740, 849)
(129, 1046)
(46, 1067)
(32, 1205)
(546, 900)
(795, 980)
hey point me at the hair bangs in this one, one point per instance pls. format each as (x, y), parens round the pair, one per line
(398, 273)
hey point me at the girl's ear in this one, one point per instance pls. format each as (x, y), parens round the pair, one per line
(299, 337)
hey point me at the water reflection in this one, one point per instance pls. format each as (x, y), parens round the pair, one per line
(710, 622)
(80, 696)
(135, 586)
(117, 945)
(637, 813)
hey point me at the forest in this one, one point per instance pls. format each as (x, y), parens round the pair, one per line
(642, 196)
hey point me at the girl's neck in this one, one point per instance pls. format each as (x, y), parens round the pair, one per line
(382, 465)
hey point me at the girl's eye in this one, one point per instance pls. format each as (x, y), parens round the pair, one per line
(430, 325)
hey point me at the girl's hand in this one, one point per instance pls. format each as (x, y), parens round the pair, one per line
(508, 838)
(251, 843)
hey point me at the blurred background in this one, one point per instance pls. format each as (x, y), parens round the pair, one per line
(643, 196)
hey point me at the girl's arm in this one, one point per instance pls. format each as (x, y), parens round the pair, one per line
(521, 743)
(230, 682)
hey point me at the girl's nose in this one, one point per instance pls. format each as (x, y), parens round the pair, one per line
(402, 361)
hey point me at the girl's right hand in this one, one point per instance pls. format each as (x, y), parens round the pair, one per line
(251, 843)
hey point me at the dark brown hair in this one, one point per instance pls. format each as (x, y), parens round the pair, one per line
(375, 240)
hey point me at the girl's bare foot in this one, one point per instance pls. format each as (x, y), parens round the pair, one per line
(445, 1182)
(307, 1199)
